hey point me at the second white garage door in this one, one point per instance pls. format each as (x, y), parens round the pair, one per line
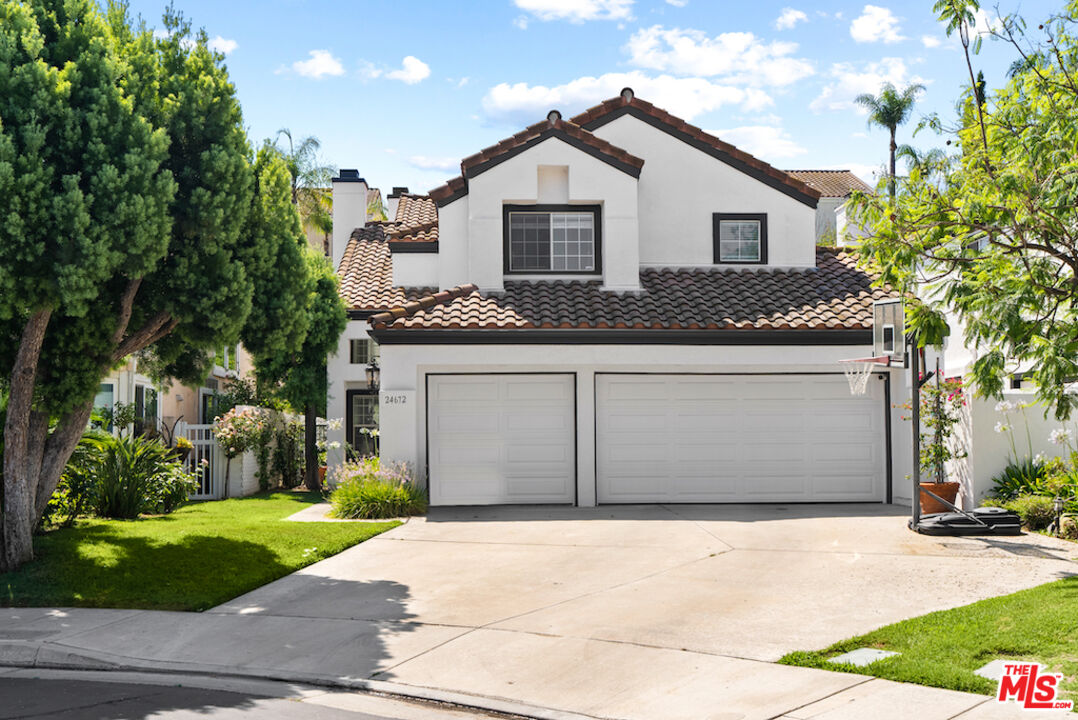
(737, 438)
(501, 439)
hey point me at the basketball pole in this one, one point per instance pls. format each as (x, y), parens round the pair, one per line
(915, 418)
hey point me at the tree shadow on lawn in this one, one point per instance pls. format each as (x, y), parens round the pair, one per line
(97, 567)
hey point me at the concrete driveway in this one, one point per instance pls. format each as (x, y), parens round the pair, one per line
(540, 603)
(637, 613)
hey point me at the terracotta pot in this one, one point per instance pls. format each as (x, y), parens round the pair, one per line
(946, 490)
(322, 475)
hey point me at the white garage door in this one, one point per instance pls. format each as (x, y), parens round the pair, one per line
(501, 439)
(737, 438)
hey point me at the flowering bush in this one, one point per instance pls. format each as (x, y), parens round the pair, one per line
(238, 430)
(941, 411)
(371, 489)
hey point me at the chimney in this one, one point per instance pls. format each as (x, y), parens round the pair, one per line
(393, 200)
(349, 210)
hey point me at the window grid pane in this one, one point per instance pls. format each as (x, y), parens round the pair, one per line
(552, 241)
(739, 240)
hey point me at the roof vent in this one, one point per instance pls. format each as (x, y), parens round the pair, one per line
(553, 117)
(627, 94)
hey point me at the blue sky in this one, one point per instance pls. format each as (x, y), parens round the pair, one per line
(403, 91)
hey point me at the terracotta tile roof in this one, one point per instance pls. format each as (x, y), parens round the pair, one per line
(836, 295)
(554, 126)
(831, 183)
(627, 101)
(415, 210)
(366, 273)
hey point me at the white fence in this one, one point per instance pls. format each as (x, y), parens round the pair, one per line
(205, 448)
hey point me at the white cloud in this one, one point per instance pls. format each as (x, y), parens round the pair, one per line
(789, 18)
(930, 41)
(764, 141)
(425, 162)
(876, 24)
(677, 3)
(737, 57)
(320, 64)
(222, 45)
(577, 11)
(412, 70)
(848, 80)
(521, 22)
(521, 103)
(983, 23)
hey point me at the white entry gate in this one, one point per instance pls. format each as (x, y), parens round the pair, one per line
(205, 448)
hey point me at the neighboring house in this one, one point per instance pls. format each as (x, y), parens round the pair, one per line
(617, 308)
(128, 386)
(833, 226)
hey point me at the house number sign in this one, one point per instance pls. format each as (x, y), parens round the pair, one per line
(396, 397)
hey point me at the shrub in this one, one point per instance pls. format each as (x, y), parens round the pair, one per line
(1020, 477)
(1037, 511)
(369, 490)
(76, 492)
(136, 475)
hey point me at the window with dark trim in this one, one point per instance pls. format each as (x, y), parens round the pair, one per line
(552, 239)
(361, 419)
(740, 238)
(361, 351)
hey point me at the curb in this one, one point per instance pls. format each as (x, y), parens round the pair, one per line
(52, 656)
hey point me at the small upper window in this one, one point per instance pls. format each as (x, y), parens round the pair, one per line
(740, 238)
(362, 351)
(544, 240)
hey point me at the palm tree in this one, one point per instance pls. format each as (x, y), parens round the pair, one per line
(310, 182)
(927, 162)
(890, 109)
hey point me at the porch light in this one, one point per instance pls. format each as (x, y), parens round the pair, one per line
(373, 375)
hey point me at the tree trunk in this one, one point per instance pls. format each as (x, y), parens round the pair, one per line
(894, 150)
(20, 470)
(310, 449)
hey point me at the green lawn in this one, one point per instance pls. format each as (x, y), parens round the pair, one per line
(943, 649)
(199, 556)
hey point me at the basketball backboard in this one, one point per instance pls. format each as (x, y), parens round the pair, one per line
(889, 330)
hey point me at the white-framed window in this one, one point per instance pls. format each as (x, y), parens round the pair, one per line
(740, 238)
(362, 418)
(552, 239)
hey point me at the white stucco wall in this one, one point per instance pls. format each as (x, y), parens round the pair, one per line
(825, 220)
(681, 187)
(404, 369)
(516, 181)
(343, 376)
(415, 269)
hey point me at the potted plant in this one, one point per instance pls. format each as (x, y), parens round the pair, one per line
(941, 410)
(182, 448)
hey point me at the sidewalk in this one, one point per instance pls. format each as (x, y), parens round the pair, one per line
(552, 677)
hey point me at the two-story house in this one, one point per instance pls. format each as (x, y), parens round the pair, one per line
(616, 308)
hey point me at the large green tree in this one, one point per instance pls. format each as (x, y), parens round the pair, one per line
(991, 232)
(126, 188)
(299, 376)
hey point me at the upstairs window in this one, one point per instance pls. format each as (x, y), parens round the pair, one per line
(740, 238)
(552, 239)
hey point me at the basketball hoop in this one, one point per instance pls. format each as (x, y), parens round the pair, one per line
(859, 370)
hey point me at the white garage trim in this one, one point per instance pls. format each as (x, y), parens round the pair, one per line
(501, 438)
(739, 437)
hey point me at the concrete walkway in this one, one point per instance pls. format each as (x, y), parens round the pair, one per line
(627, 612)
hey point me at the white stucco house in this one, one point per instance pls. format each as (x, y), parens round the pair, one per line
(616, 308)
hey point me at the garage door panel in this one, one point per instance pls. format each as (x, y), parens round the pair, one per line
(467, 423)
(474, 391)
(730, 438)
(497, 439)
